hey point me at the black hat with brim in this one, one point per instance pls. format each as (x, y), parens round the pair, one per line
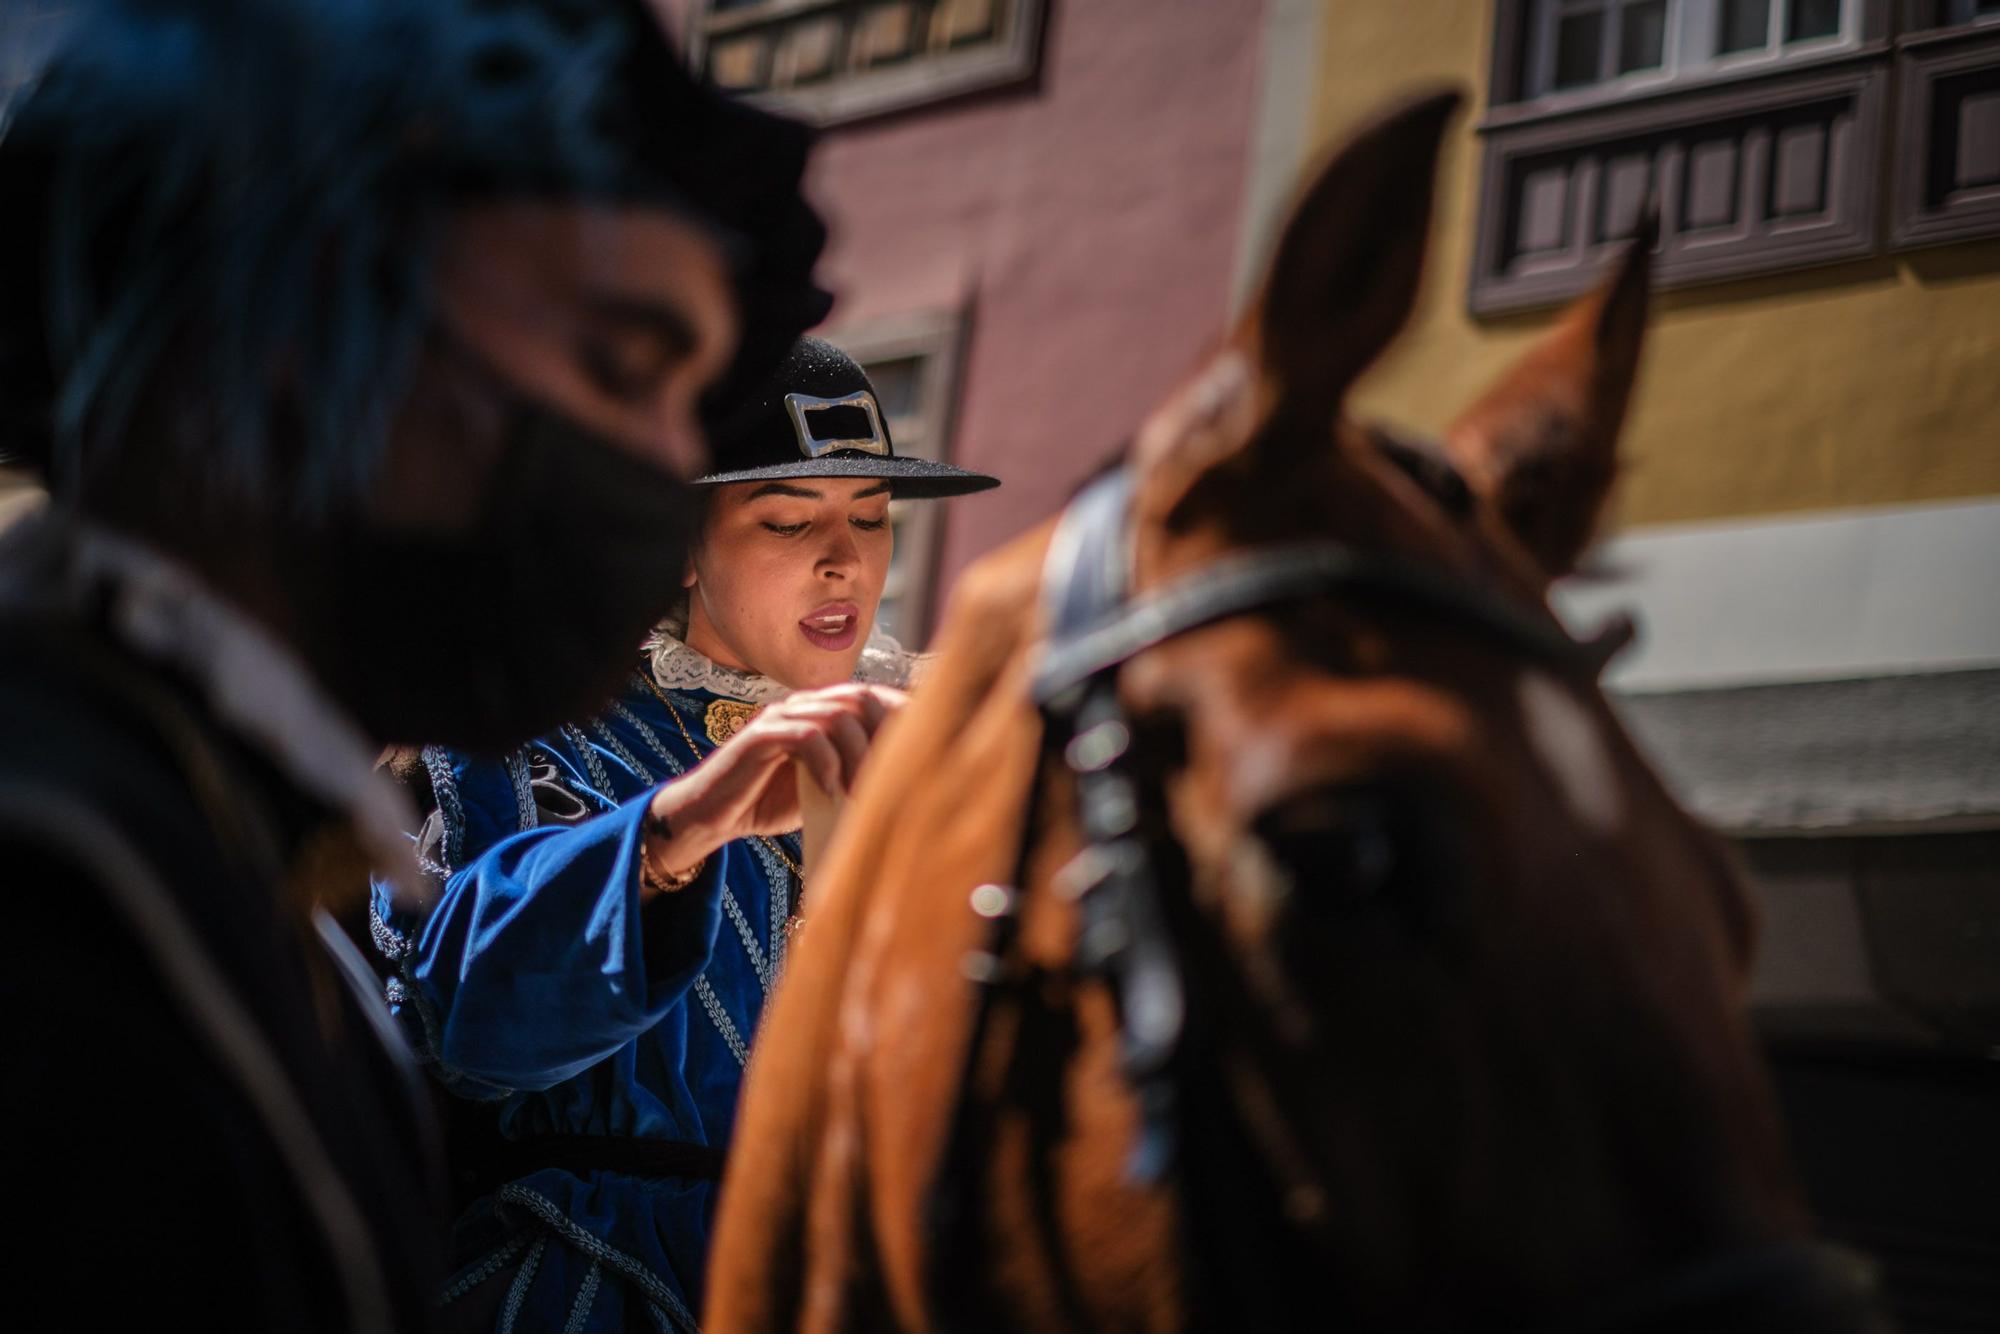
(817, 416)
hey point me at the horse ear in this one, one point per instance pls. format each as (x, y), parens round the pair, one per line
(1540, 446)
(1344, 274)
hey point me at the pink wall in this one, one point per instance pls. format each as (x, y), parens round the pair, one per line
(1088, 226)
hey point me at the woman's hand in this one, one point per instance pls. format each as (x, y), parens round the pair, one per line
(749, 785)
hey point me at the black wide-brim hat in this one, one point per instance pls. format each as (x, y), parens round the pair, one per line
(817, 416)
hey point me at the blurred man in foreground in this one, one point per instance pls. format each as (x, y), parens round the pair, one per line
(310, 302)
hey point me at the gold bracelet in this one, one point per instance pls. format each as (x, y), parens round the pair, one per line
(654, 826)
(671, 881)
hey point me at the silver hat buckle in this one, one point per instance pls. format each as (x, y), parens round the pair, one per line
(813, 447)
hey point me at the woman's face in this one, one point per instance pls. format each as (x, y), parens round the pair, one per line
(787, 576)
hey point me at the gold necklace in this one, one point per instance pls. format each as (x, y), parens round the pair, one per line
(776, 848)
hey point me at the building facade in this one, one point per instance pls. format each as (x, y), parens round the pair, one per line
(1809, 523)
(1036, 206)
(1810, 516)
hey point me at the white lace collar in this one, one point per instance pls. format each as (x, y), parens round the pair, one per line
(257, 686)
(678, 667)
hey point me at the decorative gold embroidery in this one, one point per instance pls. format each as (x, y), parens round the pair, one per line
(726, 717)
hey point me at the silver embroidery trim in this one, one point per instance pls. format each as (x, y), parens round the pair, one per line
(484, 1270)
(586, 1297)
(749, 938)
(588, 753)
(718, 1016)
(625, 757)
(392, 944)
(524, 792)
(779, 876)
(649, 736)
(444, 788)
(517, 1292)
(597, 1248)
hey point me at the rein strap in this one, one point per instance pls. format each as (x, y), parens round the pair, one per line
(1254, 580)
(1095, 624)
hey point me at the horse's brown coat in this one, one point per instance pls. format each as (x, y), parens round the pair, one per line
(1556, 1095)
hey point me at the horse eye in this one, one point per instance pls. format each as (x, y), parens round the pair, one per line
(1160, 738)
(1339, 848)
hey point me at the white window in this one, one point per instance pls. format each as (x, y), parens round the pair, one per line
(1759, 131)
(1629, 44)
(913, 363)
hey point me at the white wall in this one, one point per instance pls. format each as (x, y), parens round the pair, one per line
(1822, 596)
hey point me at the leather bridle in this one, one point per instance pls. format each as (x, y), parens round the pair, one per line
(1126, 933)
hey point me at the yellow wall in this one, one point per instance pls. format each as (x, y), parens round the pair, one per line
(1865, 384)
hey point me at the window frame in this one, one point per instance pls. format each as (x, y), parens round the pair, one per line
(936, 340)
(1543, 46)
(1837, 88)
(1932, 65)
(1690, 28)
(1013, 60)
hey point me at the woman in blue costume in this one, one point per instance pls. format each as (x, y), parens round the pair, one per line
(613, 902)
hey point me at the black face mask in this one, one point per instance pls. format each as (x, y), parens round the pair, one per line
(484, 638)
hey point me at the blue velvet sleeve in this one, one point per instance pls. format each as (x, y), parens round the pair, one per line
(538, 960)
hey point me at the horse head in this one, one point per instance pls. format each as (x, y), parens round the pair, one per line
(1464, 1039)
(1488, 1037)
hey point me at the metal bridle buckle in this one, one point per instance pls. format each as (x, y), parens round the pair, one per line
(798, 405)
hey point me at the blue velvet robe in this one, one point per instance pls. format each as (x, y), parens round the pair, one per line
(532, 982)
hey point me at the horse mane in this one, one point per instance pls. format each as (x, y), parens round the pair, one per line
(957, 765)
